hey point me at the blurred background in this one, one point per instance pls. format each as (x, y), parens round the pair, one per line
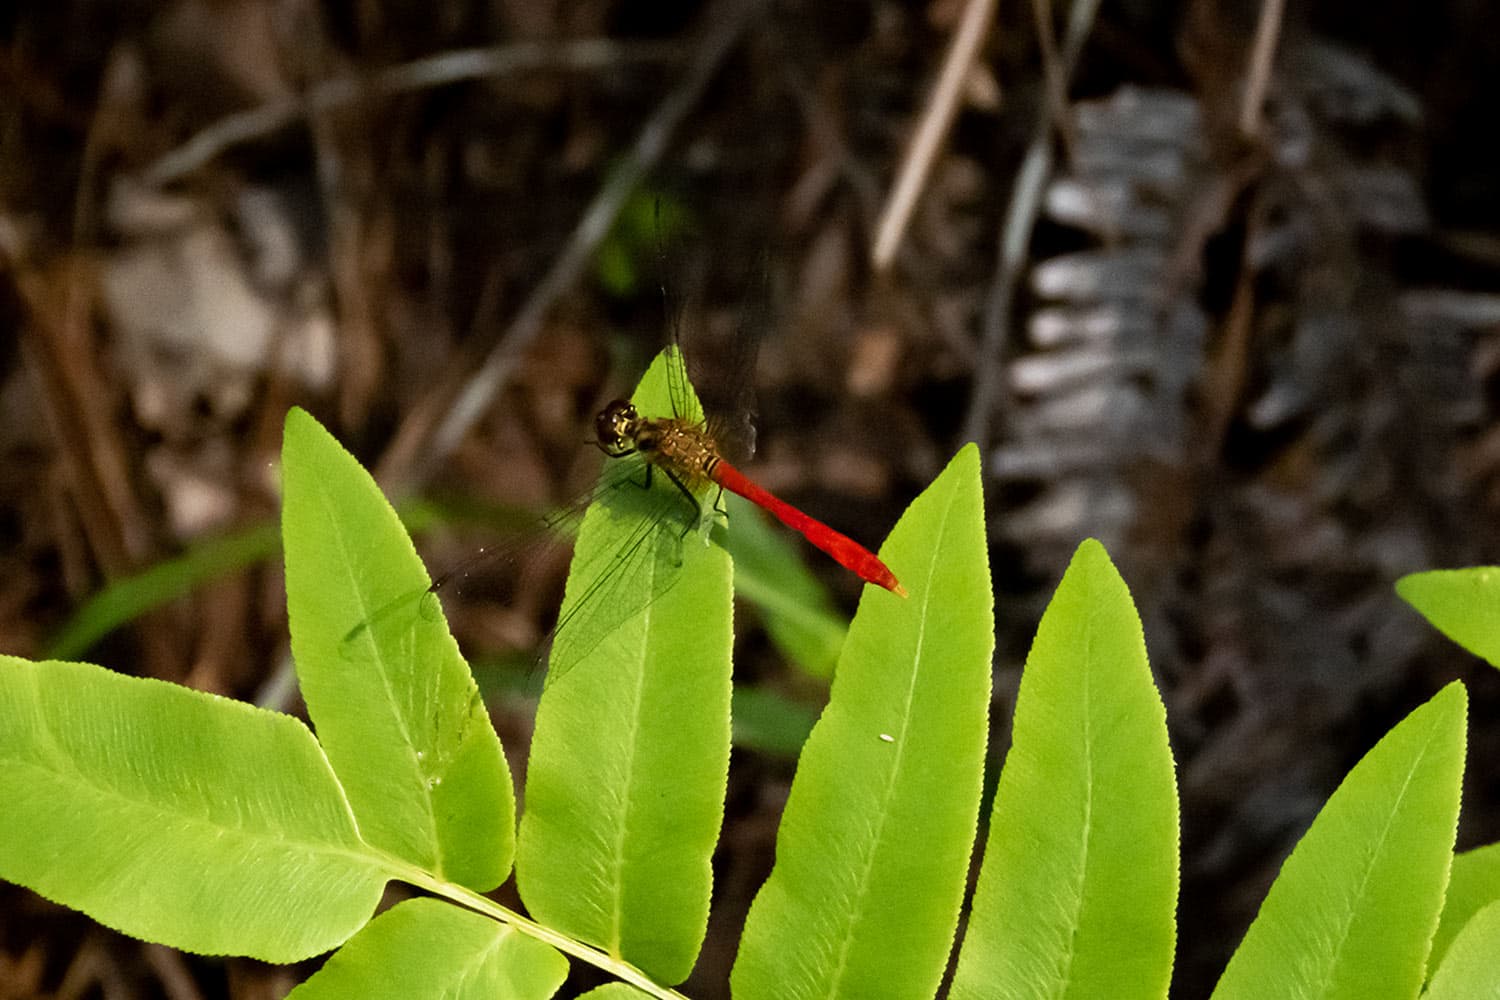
(1216, 283)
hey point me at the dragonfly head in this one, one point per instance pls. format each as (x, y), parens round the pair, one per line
(615, 428)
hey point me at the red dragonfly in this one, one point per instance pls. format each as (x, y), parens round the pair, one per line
(654, 522)
(685, 451)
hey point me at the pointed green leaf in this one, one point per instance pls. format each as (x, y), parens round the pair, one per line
(394, 704)
(630, 758)
(176, 816)
(1464, 604)
(1470, 971)
(1353, 911)
(1473, 884)
(874, 846)
(426, 948)
(1078, 890)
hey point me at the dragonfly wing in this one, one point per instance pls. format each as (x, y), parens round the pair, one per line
(631, 550)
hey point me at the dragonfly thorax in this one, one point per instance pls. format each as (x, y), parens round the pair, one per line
(684, 448)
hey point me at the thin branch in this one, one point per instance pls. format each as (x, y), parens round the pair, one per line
(421, 74)
(1055, 73)
(1015, 237)
(1262, 56)
(419, 446)
(928, 139)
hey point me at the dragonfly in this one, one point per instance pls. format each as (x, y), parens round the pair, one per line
(686, 453)
(682, 447)
(661, 524)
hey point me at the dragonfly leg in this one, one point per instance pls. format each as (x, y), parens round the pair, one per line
(697, 507)
(719, 507)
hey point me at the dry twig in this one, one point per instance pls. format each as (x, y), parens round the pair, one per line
(927, 140)
(430, 433)
(1015, 236)
(421, 74)
(1262, 56)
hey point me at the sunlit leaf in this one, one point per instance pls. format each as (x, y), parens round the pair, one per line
(394, 704)
(626, 780)
(1470, 972)
(613, 991)
(874, 845)
(426, 948)
(1078, 890)
(1464, 604)
(177, 816)
(1353, 912)
(1473, 884)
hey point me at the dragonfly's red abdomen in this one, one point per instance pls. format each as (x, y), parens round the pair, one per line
(844, 550)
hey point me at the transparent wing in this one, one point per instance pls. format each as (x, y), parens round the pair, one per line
(633, 542)
(630, 541)
(631, 551)
(631, 529)
(722, 364)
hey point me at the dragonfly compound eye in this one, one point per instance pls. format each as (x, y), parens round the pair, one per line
(615, 428)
